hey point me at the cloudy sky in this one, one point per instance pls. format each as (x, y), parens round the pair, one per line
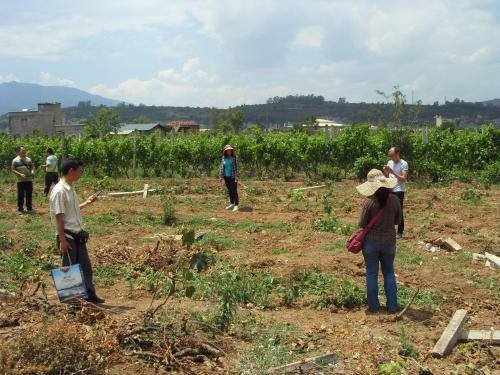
(222, 53)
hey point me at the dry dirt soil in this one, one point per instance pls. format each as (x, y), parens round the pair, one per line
(274, 233)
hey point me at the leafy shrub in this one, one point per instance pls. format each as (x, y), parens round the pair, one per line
(332, 224)
(464, 175)
(327, 206)
(364, 164)
(392, 368)
(434, 171)
(5, 242)
(471, 194)
(348, 294)
(491, 174)
(327, 172)
(168, 217)
(407, 349)
(255, 190)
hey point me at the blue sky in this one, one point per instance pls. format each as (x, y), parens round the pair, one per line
(225, 53)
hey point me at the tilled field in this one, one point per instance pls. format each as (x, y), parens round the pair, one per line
(259, 288)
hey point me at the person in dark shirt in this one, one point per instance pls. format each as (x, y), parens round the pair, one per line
(380, 243)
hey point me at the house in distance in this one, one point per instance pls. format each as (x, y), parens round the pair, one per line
(170, 127)
(48, 120)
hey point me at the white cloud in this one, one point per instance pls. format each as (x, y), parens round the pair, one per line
(189, 86)
(47, 79)
(8, 78)
(311, 36)
(252, 49)
(191, 73)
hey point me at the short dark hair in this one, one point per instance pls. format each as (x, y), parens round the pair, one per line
(50, 151)
(396, 150)
(70, 164)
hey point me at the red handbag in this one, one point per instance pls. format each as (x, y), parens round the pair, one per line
(355, 241)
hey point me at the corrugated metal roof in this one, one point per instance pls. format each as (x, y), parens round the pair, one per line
(139, 127)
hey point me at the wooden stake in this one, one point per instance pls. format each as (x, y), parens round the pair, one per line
(310, 188)
(145, 194)
(397, 317)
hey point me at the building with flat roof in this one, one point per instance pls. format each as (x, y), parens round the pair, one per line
(43, 121)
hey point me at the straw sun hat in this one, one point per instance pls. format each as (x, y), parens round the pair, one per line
(228, 147)
(375, 180)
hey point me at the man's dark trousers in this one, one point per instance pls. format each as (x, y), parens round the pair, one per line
(79, 255)
(50, 178)
(401, 196)
(24, 190)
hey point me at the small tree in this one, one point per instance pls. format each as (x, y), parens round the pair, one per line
(100, 125)
(401, 114)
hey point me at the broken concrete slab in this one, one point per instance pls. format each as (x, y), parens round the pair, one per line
(493, 259)
(478, 257)
(492, 336)
(447, 243)
(450, 335)
(199, 235)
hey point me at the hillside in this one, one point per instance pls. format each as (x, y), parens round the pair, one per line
(15, 96)
(294, 109)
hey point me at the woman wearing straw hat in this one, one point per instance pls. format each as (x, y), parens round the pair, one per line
(230, 172)
(380, 243)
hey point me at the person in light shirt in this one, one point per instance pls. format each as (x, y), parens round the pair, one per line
(398, 168)
(65, 215)
(24, 169)
(51, 176)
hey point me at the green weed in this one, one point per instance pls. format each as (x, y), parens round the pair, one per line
(168, 216)
(407, 349)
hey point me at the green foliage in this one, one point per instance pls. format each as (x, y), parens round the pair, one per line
(279, 154)
(491, 174)
(269, 348)
(5, 242)
(168, 216)
(471, 194)
(233, 286)
(349, 295)
(327, 206)
(188, 238)
(332, 224)
(364, 164)
(407, 349)
(329, 173)
(393, 368)
(106, 274)
(104, 122)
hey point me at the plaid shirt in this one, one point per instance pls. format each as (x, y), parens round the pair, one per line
(235, 170)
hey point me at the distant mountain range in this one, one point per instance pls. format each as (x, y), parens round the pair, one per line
(15, 96)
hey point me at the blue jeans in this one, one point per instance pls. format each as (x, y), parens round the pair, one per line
(385, 254)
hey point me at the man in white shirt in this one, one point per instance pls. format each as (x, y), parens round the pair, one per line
(398, 168)
(65, 215)
(51, 176)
